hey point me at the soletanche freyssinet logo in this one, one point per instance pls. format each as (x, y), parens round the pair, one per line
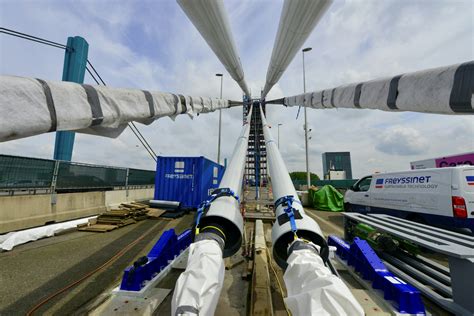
(470, 180)
(379, 184)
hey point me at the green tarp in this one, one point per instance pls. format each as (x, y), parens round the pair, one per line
(327, 198)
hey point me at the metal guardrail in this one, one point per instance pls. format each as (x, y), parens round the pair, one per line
(24, 173)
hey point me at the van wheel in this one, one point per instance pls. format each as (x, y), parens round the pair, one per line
(348, 207)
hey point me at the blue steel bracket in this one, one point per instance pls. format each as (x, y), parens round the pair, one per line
(365, 261)
(145, 268)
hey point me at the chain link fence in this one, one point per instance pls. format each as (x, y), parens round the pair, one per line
(33, 173)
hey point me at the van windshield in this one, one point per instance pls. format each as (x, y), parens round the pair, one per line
(363, 184)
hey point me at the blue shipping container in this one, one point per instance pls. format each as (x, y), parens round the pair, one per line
(188, 180)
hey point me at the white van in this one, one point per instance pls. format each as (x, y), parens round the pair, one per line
(439, 196)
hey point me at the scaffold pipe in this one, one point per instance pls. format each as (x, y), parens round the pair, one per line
(218, 234)
(300, 248)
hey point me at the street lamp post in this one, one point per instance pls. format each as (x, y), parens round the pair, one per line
(279, 124)
(220, 125)
(308, 178)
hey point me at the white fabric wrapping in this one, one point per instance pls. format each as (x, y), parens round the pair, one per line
(10, 240)
(313, 290)
(444, 90)
(199, 287)
(297, 21)
(24, 108)
(210, 19)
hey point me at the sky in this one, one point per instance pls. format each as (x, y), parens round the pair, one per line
(152, 45)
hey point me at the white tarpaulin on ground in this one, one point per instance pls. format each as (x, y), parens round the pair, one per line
(210, 19)
(313, 290)
(198, 288)
(12, 239)
(297, 21)
(31, 106)
(444, 90)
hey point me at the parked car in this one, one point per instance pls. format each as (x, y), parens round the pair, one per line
(438, 196)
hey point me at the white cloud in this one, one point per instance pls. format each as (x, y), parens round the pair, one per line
(399, 140)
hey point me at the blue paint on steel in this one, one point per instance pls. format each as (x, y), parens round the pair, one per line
(365, 261)
(75, 62)
(189, 180)
(166, 249)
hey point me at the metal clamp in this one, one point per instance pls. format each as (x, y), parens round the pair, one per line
(287, 201)
(204, 206)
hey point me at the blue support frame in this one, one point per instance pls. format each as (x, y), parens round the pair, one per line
(75, 62)
(166, 249)
(365, 261)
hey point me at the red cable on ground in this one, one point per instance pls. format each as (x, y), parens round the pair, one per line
(111, 260)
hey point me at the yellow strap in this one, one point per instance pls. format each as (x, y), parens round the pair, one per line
(216, 228)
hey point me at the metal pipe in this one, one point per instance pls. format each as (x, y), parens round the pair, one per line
(282, 234)
(224, 212)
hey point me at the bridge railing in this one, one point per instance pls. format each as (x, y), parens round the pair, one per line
(25, 173)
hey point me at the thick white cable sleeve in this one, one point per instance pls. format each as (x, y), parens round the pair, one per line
(30, 107)
(211, 20)
(198, 288)
(297, 21)
(443, 90)
(313, 290)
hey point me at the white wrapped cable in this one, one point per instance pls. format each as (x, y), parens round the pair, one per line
(210, 19)
(218, 234)
(312, 289)
(444, 90)
(284, 196)
(198, 288)
(222, 214)
(31, 106)
(297, 21)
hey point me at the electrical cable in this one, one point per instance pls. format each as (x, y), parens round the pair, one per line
(131, 125)
(147, 146)
(87, 275)
(33, 38)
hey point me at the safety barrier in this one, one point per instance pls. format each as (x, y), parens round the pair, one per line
(145, 268)
(33, 173)
(365, 261)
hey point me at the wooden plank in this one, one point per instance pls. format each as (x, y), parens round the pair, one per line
(98, 228)
(155, 212)
(261, 297)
